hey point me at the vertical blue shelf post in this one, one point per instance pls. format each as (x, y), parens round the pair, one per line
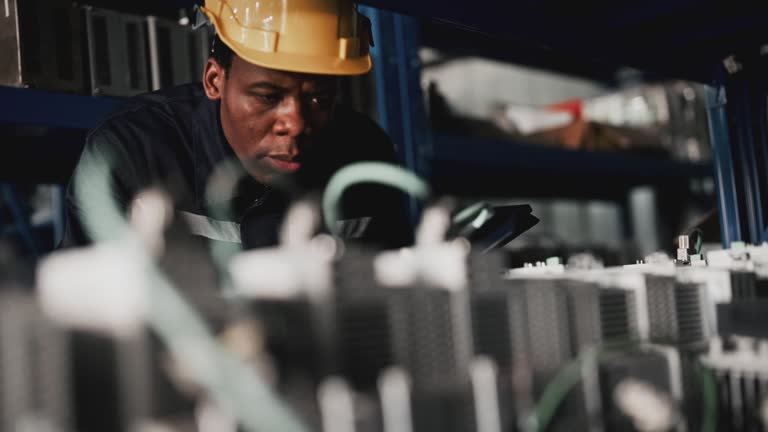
(730, 224)
(400, 103)
(738, 115)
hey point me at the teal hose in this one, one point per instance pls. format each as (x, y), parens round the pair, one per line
(368, 172)
(233, 384)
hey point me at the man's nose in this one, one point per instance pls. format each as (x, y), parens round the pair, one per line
(291, 118)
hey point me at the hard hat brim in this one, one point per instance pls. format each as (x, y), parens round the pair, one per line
(305, 64)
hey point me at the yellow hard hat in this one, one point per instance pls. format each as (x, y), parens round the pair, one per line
(312, 36)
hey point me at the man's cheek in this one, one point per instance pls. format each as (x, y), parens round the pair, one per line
(257, 144)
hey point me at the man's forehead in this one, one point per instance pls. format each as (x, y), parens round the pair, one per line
(252, 73)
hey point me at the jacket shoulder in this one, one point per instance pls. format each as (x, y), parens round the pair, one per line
(362, 138)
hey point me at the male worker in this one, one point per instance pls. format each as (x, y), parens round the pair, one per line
(267, 101)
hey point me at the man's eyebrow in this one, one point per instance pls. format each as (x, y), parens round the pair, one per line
(266, 85)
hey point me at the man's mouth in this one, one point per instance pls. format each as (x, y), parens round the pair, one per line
(284, 163)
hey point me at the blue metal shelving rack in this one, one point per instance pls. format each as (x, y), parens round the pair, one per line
(26, 106)
(67, 116)
(695, 40)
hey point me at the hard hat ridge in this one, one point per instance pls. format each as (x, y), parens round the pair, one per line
(311, 36)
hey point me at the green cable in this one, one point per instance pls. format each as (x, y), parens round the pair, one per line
(565, 380)
(699, 239)
(709, 388)
(570, 375)
(554, 394)
(231, 382)
(368, 172)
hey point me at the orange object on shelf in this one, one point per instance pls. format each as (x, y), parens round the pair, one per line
(573, 106)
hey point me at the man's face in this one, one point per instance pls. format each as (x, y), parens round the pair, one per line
(270, 117)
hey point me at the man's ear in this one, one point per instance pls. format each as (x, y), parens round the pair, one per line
(213, 79)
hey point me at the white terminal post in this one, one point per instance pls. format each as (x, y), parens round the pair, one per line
(432, 261)
(299, 266)
(104, 287)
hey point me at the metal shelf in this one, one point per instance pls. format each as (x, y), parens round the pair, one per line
(673, 39)
(464, 164)
(679, 39)
(26, 106)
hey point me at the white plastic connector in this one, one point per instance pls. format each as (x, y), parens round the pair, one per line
(104, 287)
(434, 224)
(657, 258)
(432, 261)
(300, 266)
(484, 380)
(150, 213)
(395, 392)
(396, 268)
(281, 273)
(585, 261)
(299, 226)
(759, 256)
(440, 266)
(649, 409)
(101, 288)
(336, 405)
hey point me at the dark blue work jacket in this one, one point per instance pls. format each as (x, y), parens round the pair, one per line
(173, 139)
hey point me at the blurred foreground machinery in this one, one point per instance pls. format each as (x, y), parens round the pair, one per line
(437, 337)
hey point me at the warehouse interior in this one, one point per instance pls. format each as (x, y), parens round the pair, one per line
(579, 194)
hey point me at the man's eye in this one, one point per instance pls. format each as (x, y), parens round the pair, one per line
(270, 98)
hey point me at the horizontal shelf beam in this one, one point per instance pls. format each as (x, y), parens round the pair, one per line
(48, 108)
(476, 166)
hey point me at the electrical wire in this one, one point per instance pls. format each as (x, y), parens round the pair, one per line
(699, 239)
(765, 235)
(368, 172)
(232, 383)
(554, 394)
(564, 381)
(709, 390)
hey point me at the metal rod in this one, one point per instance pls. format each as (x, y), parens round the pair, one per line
(336, 406)
(395, 401)
(487, 414)
(730, 226)
(154, 57)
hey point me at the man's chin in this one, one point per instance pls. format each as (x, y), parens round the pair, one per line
(269, 177)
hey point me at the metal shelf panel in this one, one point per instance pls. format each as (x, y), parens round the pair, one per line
(28, 106)
(678, 39)
(464, 166)
(542, 159)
